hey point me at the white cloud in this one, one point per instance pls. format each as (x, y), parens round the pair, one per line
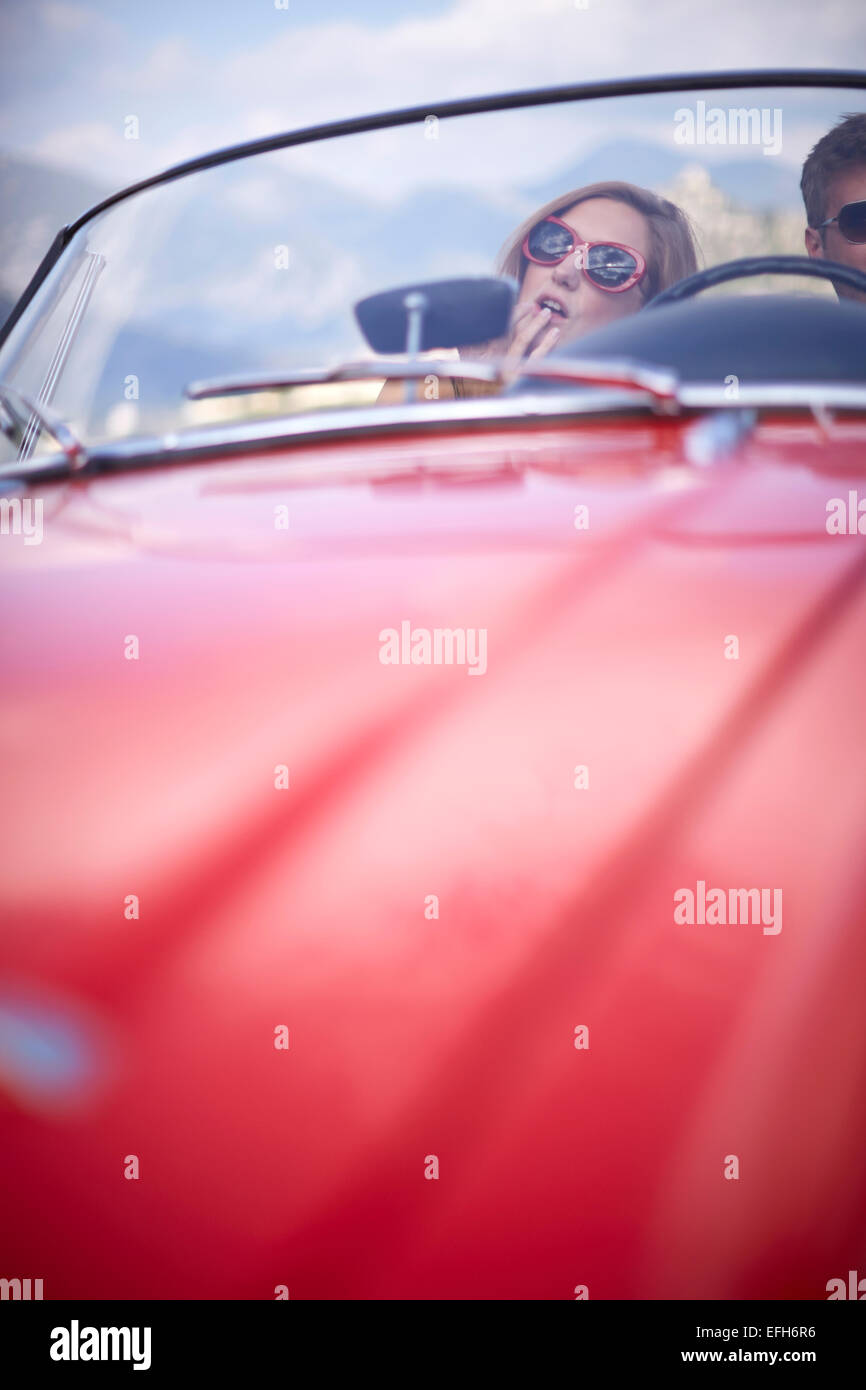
(170, 63)
(190, 102)
(92, 148)
(493, 45)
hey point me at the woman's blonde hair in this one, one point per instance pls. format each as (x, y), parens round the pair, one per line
(673, 255)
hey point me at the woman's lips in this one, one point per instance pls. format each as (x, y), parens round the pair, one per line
(553, 303)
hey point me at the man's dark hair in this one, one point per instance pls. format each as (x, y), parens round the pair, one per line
(843, 147)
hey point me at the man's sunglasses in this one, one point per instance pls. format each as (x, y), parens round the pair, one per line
(608, 265)
(851, 221)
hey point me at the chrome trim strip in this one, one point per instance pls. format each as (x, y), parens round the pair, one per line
(801, 395)
(342, 426)
(426, 417)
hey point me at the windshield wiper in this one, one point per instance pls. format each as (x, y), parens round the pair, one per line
(660, 383)
(23, 424)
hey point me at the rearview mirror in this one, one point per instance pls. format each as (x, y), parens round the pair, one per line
(437, 314)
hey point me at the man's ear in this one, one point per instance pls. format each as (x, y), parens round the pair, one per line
(814, 244)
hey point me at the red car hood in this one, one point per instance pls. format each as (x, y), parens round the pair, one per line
(439, 900)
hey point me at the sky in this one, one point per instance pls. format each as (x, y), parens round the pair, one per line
(200, 74)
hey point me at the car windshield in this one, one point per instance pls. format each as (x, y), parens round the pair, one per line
(255, 266)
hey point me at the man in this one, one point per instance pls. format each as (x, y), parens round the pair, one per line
(833, 185)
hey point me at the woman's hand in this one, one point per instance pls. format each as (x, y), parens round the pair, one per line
(532, 335)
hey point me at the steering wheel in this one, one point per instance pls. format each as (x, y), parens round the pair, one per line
(760, 265)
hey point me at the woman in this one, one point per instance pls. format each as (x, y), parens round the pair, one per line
(583, 260)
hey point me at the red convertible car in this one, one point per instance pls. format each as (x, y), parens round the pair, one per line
(432, 714)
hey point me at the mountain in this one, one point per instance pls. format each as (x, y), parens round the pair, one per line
(759, 181)
(465, 228)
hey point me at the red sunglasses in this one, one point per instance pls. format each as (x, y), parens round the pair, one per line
(609, 265)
